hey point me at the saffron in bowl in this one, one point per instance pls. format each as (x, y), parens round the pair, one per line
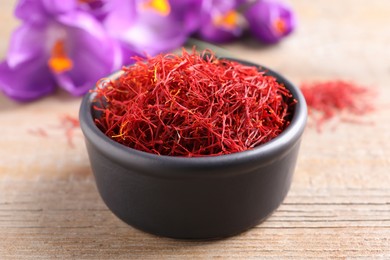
(193, 146)
(192, 105)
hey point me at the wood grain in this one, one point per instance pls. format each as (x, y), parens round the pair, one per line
(67, 219)
(338, 205)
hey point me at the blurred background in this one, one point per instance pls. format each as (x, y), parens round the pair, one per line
(347, 40)
(338, 205)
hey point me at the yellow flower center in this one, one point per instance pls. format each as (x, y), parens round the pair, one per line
(160, 6)
(59, 62)
(280, 25)
(228, 20)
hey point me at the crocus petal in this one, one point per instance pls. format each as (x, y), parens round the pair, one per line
(85, 22)
(122, 15)
(31, 11)
(38, 11)
(98, 8)
(218, 35)
(89, 68)
(92, 52)
(90, 63)
(128, 53)
(31, 80)
(188, 12)
(67, 82)
(59, 44)
(270, 20)
(138, 25)
(145, 38)
(25, 44)
(56, 7)
(220, 21)
(93, 36)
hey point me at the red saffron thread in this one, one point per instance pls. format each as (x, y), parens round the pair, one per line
(192, 105)
(328, 99)
(38, 132)
(69, 123)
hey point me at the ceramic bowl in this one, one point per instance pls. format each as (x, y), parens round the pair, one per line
(194, 198)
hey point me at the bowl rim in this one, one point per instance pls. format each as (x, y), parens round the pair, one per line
(206, 165)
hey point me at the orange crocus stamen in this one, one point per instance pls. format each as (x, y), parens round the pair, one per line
(280, 25)
(59, 62)
(228, 20)
(160, 6)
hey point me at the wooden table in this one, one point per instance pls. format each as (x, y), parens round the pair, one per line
(338, 205)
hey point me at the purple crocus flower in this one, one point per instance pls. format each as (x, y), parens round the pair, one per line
(57, 45)
(270, 20)
(153, 26)
(220, 21)
(98, 8)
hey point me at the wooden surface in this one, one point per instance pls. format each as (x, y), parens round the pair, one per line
(338, 205)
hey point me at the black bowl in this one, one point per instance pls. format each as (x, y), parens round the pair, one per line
(194, 198)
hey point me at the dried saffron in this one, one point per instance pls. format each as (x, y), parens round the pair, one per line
(192, 104)
(326, 99)
(38, 132)
(69, 123)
